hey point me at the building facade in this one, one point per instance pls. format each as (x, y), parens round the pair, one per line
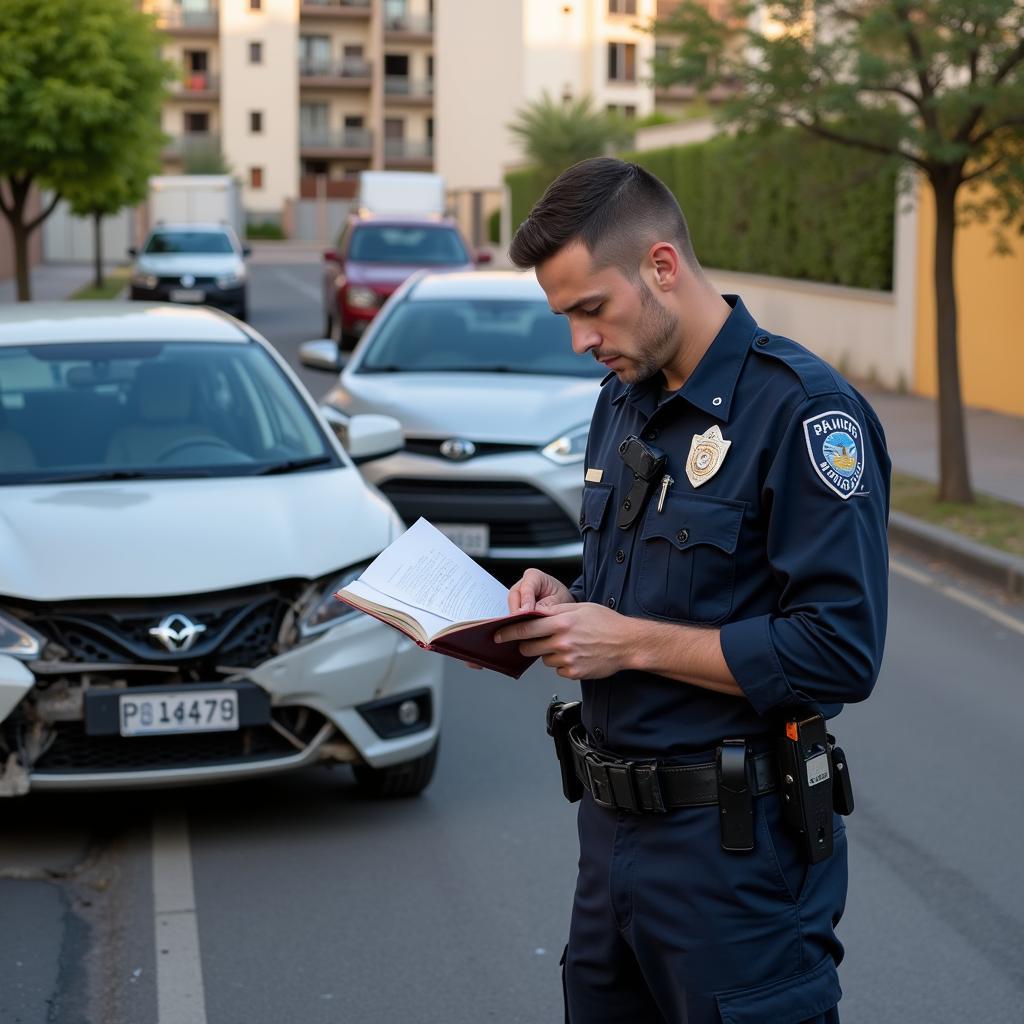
(298, 96)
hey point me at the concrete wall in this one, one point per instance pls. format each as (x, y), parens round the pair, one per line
(69, 239)
(991, 343)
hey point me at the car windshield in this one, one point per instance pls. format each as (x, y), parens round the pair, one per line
(118, 410)
(476, 336)
(209, 242)
(420, 245)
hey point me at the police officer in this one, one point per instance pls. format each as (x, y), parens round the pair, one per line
(734, 579)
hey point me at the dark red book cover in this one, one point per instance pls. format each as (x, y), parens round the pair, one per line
(472, 643)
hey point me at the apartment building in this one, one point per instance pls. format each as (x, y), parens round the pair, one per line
(299, 95)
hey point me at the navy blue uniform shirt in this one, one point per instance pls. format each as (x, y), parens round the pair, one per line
(782, 543)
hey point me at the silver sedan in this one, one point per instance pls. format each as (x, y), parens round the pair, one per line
(495, 406)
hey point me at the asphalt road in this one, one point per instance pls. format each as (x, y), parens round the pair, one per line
(299, 901)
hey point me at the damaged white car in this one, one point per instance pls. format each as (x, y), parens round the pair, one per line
(174, 520)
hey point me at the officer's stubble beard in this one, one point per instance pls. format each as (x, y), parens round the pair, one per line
(656, 336)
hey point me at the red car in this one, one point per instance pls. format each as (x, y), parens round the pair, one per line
(374, 256)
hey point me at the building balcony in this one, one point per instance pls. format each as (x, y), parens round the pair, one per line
(192, 21)
(197, 85)
(409, 152)
(409, 28)
(343, 74)
(180, 147)
(402, 89)
(350, 9)
(354, 143)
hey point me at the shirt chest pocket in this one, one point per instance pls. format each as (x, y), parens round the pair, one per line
(688, 558)
(592, 512)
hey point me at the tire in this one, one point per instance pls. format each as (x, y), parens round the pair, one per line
(243, 313)
(328, 326)
(346, 341)
(407, 779)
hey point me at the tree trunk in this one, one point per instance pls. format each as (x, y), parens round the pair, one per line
(954, 476)
(97, 249)
(21, 268)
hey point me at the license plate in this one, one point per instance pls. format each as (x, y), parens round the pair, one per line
(473, 538)
(188, 295)
(154, 714)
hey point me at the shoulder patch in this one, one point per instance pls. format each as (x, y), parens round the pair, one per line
(836, 449)
(815, 375)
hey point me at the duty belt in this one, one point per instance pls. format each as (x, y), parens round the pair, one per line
(647, 786)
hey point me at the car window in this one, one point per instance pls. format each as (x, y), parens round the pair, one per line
(154, 409)
(397, 243)
(206, 242)
(476, 335)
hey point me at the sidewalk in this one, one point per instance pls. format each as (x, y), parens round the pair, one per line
(52, 282)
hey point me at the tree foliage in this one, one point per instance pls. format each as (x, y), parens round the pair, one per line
(935, 85)
(554, 135)
(81, 88)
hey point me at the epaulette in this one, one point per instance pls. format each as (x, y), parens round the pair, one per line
(814, 374)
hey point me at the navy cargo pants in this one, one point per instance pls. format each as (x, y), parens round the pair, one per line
(667, 928)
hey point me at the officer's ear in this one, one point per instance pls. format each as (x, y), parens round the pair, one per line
(663, 263)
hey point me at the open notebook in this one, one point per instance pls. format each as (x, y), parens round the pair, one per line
(433, 592)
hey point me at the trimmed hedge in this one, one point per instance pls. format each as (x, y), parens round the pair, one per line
(782, 204)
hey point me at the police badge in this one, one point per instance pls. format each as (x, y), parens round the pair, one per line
(834, 445)
(707, 453)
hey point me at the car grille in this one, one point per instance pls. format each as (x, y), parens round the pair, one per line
(174, 281)
(432, 446)
(241, 628)
(518, 514)
(73, 752)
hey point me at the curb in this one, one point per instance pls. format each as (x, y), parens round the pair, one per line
(992, 566)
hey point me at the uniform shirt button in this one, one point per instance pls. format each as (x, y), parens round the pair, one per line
(620, 556)
(683, 536)
(651, 434)
(599, 734)
(763, 340)
(610, 602)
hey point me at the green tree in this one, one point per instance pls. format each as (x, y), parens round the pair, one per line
(81, 87)
(936, 85)
(205, 158)
(554, 136)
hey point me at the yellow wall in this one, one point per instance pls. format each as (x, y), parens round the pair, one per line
(989, 287)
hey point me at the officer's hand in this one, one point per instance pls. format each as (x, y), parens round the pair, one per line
(579, 640)
(537, 591)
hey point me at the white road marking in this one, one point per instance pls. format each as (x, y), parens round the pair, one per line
(296, 282)
(961, 596)
(179, 970)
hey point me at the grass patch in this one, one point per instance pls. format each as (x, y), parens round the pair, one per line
(113, 284)
(265, 229)
(999, 524)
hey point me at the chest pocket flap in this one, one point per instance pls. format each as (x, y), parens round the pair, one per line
(687, 558)
(595, 501)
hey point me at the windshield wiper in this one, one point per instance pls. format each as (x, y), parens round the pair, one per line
(119, 474)
(294, 465)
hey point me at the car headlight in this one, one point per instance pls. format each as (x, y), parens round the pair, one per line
(232, 278)
(17, 640)
(362, 298)
(145, 280)
(570, 447)
(327, 610)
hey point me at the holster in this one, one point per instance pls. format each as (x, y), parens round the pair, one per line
(561, 716)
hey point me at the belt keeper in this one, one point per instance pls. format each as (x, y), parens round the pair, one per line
(647, 787)
(735, 800)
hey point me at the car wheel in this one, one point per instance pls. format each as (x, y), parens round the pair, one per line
(409, 778)
(243, 313)
(328, 326)
(346, 341)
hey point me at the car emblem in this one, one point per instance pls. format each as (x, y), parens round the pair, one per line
(457, 450)
(187, 280)
(177, 632)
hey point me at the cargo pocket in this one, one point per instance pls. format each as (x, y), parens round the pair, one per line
(687, 558)
(793, 1000)
(594, 504)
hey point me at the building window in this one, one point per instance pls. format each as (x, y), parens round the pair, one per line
(622, 6)
(256, 121)
(197, 123)
(255, 5)
(255, 177)
(621, 62)
(255, 53)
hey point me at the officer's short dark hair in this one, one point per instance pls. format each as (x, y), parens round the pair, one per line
(616, 209)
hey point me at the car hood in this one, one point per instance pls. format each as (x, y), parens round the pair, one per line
(513, 408)
(165, 537)
(197, 264)
(388, 276)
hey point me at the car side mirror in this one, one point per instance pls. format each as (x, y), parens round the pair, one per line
(365, 436)
(322, 355)
(331, 256)
(246, 250)
(133, 250)
(484, 256)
